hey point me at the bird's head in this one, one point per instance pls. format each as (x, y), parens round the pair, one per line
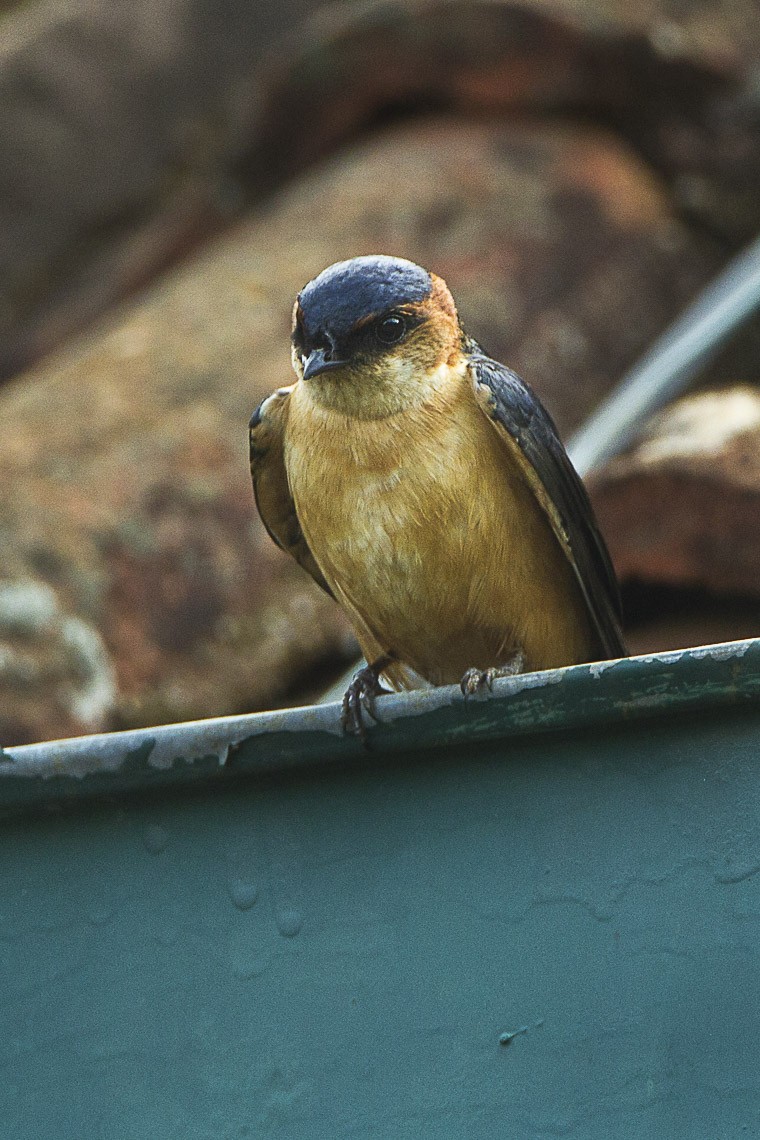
(373, 335)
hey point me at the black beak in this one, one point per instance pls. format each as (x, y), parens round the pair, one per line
(316, 362)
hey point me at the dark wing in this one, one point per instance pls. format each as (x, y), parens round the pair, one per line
(270, 483)
(527, 429)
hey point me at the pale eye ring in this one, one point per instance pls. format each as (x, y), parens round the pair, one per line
(390, 329)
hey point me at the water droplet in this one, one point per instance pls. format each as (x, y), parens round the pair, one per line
(243, 893)
(155, 840)
(289, 922)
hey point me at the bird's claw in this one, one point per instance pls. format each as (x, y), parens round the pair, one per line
(358, 699)
(475, 681)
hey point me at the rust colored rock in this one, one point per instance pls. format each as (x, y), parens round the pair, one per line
(683, 507)
(130, 133)
(127, 509)
(677, 85)
(119, 128)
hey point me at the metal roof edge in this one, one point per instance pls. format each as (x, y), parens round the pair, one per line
(570, 698)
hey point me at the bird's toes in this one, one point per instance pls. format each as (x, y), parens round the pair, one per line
(476, 681)
(358, 700)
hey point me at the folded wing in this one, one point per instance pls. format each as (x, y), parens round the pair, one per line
(526, 428)
(270, 483)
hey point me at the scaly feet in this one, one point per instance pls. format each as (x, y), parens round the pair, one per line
(476, 680)
(359, 698)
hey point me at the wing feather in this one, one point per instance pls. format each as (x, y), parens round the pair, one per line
(527, 429)
(270, 483)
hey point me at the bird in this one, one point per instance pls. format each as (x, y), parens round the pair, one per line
(424, 487)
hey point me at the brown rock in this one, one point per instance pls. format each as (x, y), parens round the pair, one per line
(676, 83)
(683, 507)
(127, 508)
(119, 127)
(129, 133)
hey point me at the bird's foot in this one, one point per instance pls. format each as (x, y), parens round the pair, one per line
(475, 681)
(359, 698)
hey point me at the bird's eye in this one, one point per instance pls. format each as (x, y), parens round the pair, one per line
(391, 329)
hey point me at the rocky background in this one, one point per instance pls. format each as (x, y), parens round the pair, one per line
(174, 170)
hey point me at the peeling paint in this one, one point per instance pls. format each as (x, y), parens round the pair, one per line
(165, 750)
(602, 692)
(732, 649)
(671, 657)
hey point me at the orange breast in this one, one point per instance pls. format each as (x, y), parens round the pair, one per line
(429, 537)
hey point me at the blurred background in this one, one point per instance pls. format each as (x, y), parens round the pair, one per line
(173, 171)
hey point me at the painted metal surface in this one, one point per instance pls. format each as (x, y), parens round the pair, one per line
(212, 750)
(535, 915)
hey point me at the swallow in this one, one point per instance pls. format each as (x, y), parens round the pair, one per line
(425, 488)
